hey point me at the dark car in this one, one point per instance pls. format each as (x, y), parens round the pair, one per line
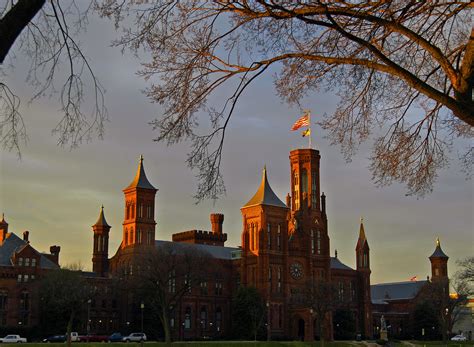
(116, 337)
(55, 338)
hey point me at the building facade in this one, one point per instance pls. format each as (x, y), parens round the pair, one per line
(284, 252)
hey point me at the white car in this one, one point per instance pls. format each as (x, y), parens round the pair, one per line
(13, 339)
(459, 338)
(134, 337)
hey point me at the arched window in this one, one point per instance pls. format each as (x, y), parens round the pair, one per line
(24, 301)
(296, 190)
(269, 235)
(314, 195)
(203, 317)
(279, 280)
(312, 241)
(318, 250)
(126, 237)
(139, 236)
(132, 238)
(279, 237)
(187, 318)
(304, 181)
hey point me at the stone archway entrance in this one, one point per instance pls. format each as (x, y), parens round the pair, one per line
(301, 326)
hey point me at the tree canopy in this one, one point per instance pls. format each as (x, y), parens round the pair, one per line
(403, 71)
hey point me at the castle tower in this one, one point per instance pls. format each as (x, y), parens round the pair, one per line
(439, 263)
(100, 254)
(264, 250)
(3, 229)
(363, 269)
(139, 222)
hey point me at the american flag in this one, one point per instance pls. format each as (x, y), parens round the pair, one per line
(303, 121)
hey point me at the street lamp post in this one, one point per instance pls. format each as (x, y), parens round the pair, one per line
(88, 326)
(142, 306)
(268, 322)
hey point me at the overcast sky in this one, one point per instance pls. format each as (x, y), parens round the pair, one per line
(56, 193)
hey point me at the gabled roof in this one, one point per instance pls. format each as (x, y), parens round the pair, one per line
(265, 194)
(101, 222)
(13, 244)
(438, 252)
(217, 252)
(140, 180)
(338, 265)
(385, 292)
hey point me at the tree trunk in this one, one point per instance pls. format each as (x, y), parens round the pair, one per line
(166, 325)
(321, 332)
(69, 328)
(13, 23)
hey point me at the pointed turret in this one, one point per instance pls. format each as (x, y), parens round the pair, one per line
(3, 228)
(140, 180)
(362, 240)
(101, 222)
(139, 222)
(265, 194)
(439, 263)
(363, 268)
(100, 252)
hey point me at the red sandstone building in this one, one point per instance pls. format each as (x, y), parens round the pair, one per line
(284, 248)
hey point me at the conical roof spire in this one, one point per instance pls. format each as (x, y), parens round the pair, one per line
(438, 252)
(362, 238)
(140, 180)
(101, 222)
(265, 195)
(3, 221)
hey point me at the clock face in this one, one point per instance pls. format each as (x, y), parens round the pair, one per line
(296, 271)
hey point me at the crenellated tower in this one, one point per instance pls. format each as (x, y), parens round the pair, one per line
(363, 269)
(100, 255)
(139, 222)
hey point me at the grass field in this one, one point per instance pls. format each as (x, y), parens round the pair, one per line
(263, 344)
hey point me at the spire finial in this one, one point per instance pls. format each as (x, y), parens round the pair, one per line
(102, 207)
(141, 158)
(437, 242)
(361, 219)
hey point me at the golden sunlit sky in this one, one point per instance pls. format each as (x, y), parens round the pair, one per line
(56, 193)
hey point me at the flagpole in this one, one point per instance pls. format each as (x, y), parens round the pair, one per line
(309, 121)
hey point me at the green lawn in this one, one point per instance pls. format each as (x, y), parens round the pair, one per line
(261, 344)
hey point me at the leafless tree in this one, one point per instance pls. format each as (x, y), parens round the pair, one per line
(165, 274)
(403, 68)
(45, 32)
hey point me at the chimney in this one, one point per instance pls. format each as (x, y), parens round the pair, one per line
(26, 234)
(54, 250)
(216, 222)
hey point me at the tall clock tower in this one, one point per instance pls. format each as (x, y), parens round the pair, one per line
(308, 246)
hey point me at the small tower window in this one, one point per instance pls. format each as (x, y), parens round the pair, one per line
(27, 261)
(312, 241)
(20, 261)
(296, 190)
(126, 237)
(279, 280)
(304, 181)
(33, 262)
(269, 236)
(279, 237)
(318, 242)
(314, 195)
(366, 260)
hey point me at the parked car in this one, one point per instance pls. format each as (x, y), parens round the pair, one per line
(134, 337)
(13, 339)
(459, 338)
(93, 338)
(74, 336)
(116, 337)
(55, 338)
